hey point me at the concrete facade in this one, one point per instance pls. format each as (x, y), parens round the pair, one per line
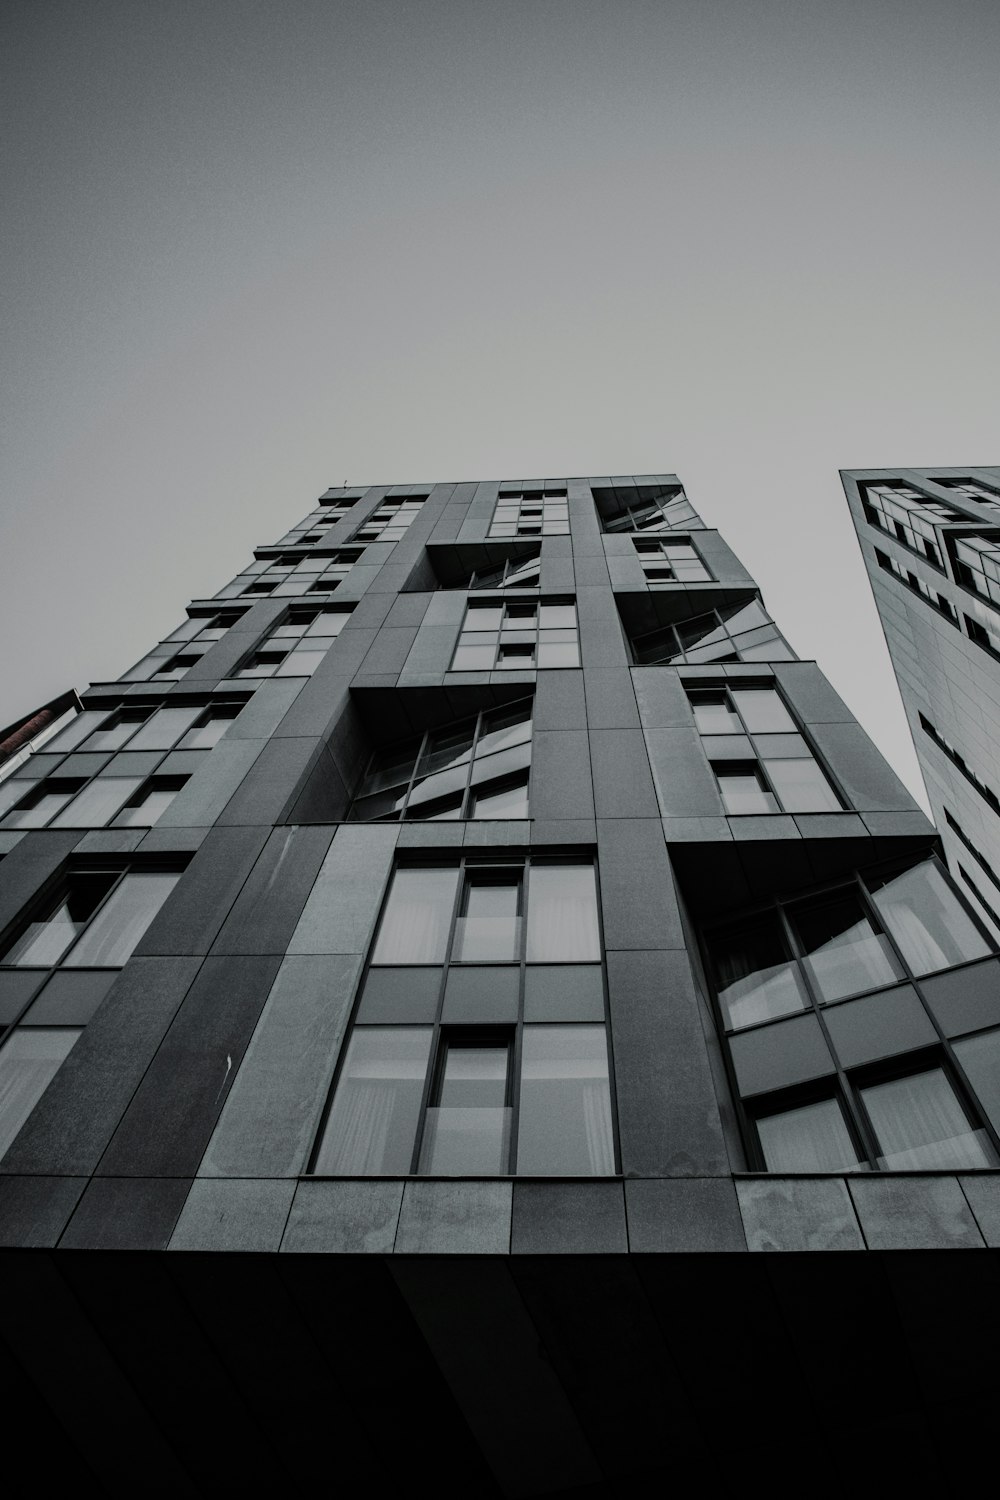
(551, 1327)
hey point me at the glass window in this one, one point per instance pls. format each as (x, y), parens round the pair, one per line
(762, 711)
(152, 802)
(467, 1130)
(97, 802)
(28, 1061)
(376, 1109)
(500, 799)
(44, 941)
(489, 927)
(210, 728)
(980, 1057)
(507, 727)
(117, 731)
(164, 729)
(77, 730)
(756, 978)
(845, 954)
(801, 786)
(417, 916)
(562, 914)
(742, 789)
(920, 1124)
(926, 918)
(811, 1138)
(42, 803)
(712, 714)
(116, 929)
(564, 1125)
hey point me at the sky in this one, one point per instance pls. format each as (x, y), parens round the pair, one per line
(250, 250)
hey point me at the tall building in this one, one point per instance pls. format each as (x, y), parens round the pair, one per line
(931, 544)
(435, 977)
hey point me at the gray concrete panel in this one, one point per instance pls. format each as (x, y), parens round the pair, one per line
(126, 1213)
(34, 1211)
(244, 1215)
(340, 914)
(29, 867)
(668, 1112)
(168, 1124)
(661, 699)
(568, 1218)
(914, 1213)
(266, 709)
(966, 999)
(789, 1213)
(202, 801)
(272, 783)
(683, 1215)
(192, 915)
(870, 783)
(683, 779)
(812, 699)
(559, 700)
(77, 1115)
(347, 1218)
(271, 1115)
(638, 900)
(455, 1218)
(623, 782)
(264, 914)
(560, 775)
(610, 699)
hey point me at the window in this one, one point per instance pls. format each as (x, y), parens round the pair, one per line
(207, 628)
(976, 853)
(150, 802)
(477, 768)
(978, 566)
(972, 489)
(761, 762)
(670, 560)
(909, 517)
(917, 586)
(627, 506)
(514, 572)
(293, 574)
(807, 1138)
(389, 522)
(987, 793)
(90, 924)
(296, 647)
(479, 1043)
(148, 728)
(513, 634)
(531, 512)
(655, 515)
(733, 632)
(919, 1124)
(860, 936)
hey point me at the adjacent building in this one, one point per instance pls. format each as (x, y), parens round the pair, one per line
(479, 1010)
(931, 544)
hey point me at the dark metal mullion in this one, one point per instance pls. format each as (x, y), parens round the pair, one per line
(413, 774)
(845, 1090)
(435, 1047)
(517, 1050)
(463, 810)
(616, 1155)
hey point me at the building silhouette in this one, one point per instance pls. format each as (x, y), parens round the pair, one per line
(481, 1011)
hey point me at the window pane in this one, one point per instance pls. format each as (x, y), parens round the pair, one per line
(762, 710)
(564, 1125)
(51, 797)
(165, 728)
(491, 801)
(449, 747)
(28, 1062)
(562, 914)
(756, 979)
(84, 723)
(742, 791)
(846, 954)
(415, 923)
(97, 802)
(927, 920)
(714, 716)
(373, 1121)
(45, 941)
(801, 786)
(121, 922)
(467, 1132)
(489, 927)
(118, 731)
(920, 1124)
(145, 813)
(501, 730)
(980, 1057)
(555, 654)
(814, 1138)
(204, 736)
(473, 658)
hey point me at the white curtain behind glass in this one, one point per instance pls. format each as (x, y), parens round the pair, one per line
(415, 925)
(562, 914)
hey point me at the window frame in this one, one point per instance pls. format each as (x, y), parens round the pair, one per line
(531, 650)
(492, 866)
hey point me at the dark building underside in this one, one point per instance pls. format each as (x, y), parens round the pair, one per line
(490, 1376)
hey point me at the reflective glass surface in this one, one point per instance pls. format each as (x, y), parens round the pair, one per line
(372, 1126)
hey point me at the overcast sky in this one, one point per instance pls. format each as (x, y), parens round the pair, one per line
(250, 250)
